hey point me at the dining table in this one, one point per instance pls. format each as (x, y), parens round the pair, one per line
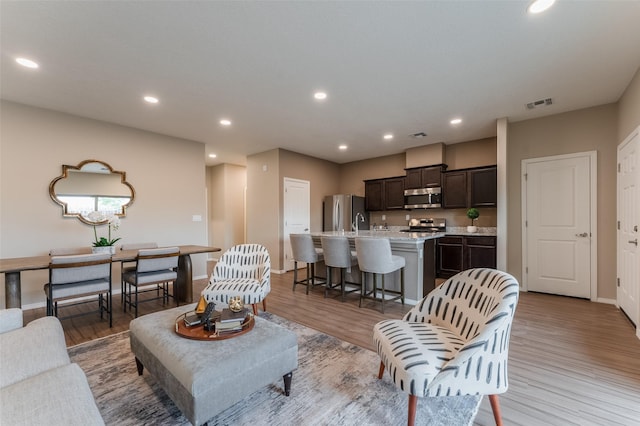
(13, 267)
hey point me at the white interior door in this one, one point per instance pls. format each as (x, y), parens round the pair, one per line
(628, 223)
(559, 224)
(297, 219)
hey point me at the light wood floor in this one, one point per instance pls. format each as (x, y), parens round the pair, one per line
(572, 362)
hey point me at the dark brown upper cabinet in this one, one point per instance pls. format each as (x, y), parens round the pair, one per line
(475, 187)
(424, 177)
(384, 194)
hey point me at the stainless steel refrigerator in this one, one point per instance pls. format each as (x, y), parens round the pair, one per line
(341, 212)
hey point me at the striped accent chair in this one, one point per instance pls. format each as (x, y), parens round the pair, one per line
(243, 270)
(455, 341)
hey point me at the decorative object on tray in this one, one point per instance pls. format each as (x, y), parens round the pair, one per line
(102, 244)
(236, 304)
(472, 214)
(231, 321)
(219, 331)
(202, 304)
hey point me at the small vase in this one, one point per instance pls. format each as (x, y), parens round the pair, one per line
(104, 249)
(472, 229)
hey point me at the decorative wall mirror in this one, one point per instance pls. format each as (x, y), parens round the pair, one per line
(92, 191)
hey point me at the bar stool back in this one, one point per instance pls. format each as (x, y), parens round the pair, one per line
(303, 250)
(338, 254)
(375, 257)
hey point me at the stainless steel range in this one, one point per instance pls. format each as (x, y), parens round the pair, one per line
(427, 225)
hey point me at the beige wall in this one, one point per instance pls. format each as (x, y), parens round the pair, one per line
(263, 201)
(226, 185)
(591, 129)
(463, 155)
(168, 175)
(629, 108)
(353, 175)
(266, 209)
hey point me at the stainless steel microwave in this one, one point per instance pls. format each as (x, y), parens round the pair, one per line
(423, 198)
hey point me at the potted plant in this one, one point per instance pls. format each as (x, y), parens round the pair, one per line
(472, 214)
(105, 244)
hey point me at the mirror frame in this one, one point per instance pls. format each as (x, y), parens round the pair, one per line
(65, 173)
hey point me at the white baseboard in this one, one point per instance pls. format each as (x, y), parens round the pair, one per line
(607, 301)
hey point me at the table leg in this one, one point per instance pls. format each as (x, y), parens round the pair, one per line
(184, 282)
(12, 291)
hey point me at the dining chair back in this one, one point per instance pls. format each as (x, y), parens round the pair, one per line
(128, 266)
(153, 266)
(77, 276)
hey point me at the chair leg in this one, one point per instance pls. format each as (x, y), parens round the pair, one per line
(382, 293)
(327, 283)
(495, 406)
(342, 284)
(413, 402)
(136, 316)
(402, 284)
(264, 304)
(381, 371)
(363, 288)
(255, 308)
(295, 274)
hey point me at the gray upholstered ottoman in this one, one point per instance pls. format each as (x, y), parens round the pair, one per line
(205, 377)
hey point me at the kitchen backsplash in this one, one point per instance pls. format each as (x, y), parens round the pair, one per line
(454, 217)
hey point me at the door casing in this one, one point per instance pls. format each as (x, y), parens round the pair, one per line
(593, 214)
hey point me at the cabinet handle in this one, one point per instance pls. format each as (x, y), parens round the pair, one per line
(634, 242)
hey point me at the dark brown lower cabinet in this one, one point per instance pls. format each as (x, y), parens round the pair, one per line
(449, 256)
(457, 253)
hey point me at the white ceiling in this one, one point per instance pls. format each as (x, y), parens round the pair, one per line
(388, 66)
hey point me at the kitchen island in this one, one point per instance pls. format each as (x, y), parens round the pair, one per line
(417, 248)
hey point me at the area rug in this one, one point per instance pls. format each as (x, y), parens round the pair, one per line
(335, 384)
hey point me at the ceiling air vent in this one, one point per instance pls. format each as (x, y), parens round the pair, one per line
(418, 135)
(539, 104)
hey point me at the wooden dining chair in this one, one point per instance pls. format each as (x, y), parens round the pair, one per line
(78, 276)
(153, 266)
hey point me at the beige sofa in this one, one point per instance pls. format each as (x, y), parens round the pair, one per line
(38, 382)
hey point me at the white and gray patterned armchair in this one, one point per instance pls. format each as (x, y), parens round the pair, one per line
(455, 341)
(244, 270)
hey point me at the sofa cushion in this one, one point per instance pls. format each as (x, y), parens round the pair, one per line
(56, 397)
(28, 351)
(10, 319)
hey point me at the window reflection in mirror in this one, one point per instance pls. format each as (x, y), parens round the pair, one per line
(92, 186)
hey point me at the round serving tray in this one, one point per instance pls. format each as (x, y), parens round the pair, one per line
(197, 332)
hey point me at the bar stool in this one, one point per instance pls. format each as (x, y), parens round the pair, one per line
(303, 250)
(374, 257)
(338, 254)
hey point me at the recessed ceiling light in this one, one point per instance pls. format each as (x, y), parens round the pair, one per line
(388, 136)
(151, 99)
(225, 122)
(321, 96)
(456, 121)
(342, 147)
(212, 155)
(27, 63)
(538, 6)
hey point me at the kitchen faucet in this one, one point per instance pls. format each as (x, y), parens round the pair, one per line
(354, 225)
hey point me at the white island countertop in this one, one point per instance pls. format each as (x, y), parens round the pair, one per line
(391, 235)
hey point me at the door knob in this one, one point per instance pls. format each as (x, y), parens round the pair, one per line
(584, 234)
(634, 242)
